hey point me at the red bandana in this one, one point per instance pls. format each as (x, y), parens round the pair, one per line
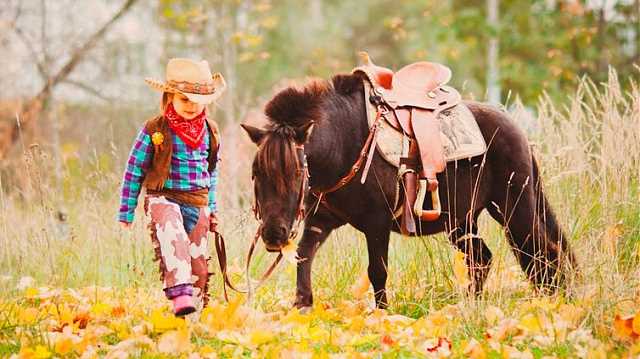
(190, 131)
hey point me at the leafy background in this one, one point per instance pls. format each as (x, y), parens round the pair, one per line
(74, 284)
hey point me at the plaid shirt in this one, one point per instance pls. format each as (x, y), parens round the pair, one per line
(189, 171)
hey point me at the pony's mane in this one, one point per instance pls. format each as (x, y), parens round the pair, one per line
(297, 105)
(276, 158)
(288, 111)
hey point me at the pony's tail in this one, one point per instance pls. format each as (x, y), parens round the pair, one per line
(554, 234)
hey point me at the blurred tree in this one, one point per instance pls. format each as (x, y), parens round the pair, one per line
(493, 68)
(545, 45)
(230, 34)
(54, 59)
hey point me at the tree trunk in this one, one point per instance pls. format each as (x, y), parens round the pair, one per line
(602, 62)
(229, 58)
(317, 19)
(35, 110)
(636, 58)
(493, 69)
(79, 54)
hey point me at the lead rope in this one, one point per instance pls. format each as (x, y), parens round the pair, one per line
(222, 261)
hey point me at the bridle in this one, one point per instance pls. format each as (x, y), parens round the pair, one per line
(303, 171)
(366, 154)
(365, 157)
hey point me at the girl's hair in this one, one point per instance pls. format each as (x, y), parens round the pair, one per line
(167, 97)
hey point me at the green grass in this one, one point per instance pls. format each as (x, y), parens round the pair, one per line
(8, 348)
(590, 161)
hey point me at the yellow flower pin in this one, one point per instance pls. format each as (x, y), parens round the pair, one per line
(157, 138)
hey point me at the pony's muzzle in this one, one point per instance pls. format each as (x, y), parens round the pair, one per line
(275, 236)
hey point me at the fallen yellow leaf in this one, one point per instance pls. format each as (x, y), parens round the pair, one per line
(294, 316)
(163, 322)
(260, 336)
(28, 316)
(460, 270)
(118, 311)
(125, 347)
(356, 324)
(475, 350)
(63, 346)
(290, 252)
(319, 335)
(612, 235)
(31, 293)
(388, 340)
(175, 341)
(40, 352)
(530, 323)
(361, 286)
(81, 319)
(208, 352)
(635, 325)
(504, 328)
(623, 326)
(65, 316)
(101, 309)
(219, 316)
(123, 331)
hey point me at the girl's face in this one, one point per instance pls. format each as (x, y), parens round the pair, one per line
(185, 108)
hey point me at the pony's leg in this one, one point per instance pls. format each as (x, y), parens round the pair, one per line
(478, 255)
(316, 231)
(312, 238)
(378, 249)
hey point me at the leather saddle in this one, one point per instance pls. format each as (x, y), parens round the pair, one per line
(412, 98)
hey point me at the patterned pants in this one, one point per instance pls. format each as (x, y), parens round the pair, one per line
(179, 236)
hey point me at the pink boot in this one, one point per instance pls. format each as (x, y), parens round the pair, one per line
(183, 305)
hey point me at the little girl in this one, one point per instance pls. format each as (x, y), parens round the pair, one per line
(174, 158)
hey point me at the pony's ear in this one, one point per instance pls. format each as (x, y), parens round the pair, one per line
(255, 134)
(303, 132)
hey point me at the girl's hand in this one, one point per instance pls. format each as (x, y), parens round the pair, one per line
(125, 225)
(213, 222)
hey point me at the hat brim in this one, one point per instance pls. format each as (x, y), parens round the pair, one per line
(219, 88)
(201, 99)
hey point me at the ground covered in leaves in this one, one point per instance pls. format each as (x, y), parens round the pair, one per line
(41, 322)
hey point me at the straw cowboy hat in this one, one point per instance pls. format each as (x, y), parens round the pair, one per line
(192, 79)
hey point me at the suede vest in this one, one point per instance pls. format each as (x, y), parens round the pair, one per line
(158, 171)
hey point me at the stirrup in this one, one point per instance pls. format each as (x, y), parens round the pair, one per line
(427, 215)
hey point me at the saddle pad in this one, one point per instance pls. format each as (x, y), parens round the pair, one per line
(459, 132)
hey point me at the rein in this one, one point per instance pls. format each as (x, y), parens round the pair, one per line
(366, 153)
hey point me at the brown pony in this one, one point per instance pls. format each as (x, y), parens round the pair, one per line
(329, 119)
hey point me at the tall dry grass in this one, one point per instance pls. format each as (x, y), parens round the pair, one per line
(65, 232)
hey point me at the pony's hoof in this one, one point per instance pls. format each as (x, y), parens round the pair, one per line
(305, 310)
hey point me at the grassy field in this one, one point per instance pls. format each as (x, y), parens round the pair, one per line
(74, 284)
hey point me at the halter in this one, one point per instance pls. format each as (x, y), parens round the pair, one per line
(303, 170)
(365, 157)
